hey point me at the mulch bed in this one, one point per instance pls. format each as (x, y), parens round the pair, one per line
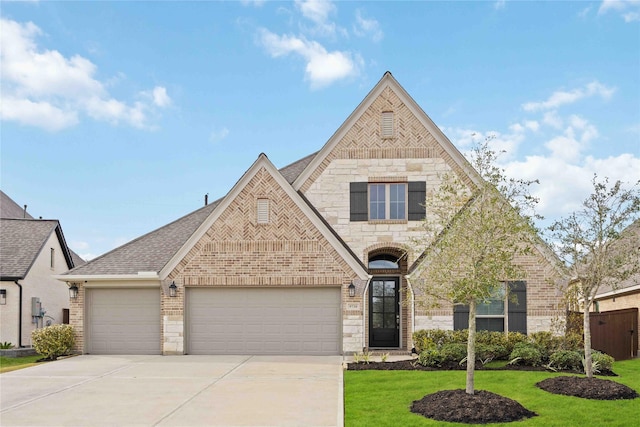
(587, 388)
(485, 407)
(482, 407)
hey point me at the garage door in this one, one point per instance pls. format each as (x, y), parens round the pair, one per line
(123, 321)
(264, 321)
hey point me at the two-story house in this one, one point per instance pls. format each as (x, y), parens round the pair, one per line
(309, 259)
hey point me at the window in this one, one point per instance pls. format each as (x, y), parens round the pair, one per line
(387, 201)
(263, 211)
(499, 312)
(52, 259)
(381, 201)
(386, 124)
(383, 262)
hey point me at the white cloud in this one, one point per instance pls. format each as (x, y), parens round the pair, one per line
(560, 98)
(322, 67)
(43, 88)
(364, 27)
(218, 134)
(499, 4)
(628, 9)
(584, 12)
(318, 12)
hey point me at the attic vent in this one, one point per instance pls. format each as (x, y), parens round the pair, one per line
(387, 124)
(263, 211)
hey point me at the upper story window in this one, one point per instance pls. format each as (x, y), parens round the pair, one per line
(388, 201)
(392, 201)
(52, 258)
(386, 124)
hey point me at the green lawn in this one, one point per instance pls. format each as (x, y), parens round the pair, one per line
(383, 398)
(8, 364)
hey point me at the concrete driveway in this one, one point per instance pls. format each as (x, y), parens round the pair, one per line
(175, 391)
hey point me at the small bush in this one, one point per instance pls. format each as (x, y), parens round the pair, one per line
(513, 338)
(572, 341)
(601, 361)
(485, 353)
(53, 341)
(425, 339)
(453, 352)
(565, 359)
(525, 354)
(460, 336)
(430, 357)
(6, 345)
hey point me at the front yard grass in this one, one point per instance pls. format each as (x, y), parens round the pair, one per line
(8, 364)
(383, 398)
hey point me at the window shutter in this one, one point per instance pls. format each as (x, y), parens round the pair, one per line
(358, 201)
(461, 317)
(518, 309)
(386, 125)
(263, 211)
(417, 197)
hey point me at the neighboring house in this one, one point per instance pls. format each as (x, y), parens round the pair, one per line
(626, 294)
(32, 251)
(308, 259)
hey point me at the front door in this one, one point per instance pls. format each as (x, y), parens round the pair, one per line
(384, 312)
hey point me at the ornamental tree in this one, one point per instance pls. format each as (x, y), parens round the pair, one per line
(473, 234)
(591, 242)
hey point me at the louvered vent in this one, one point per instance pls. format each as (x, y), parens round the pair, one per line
(387, 124)
(263, 211)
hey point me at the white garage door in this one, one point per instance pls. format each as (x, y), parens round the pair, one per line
(123, 321)
(264, 321)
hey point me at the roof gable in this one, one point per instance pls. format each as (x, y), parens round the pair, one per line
(359, 136)
(262, 179)
(21, 241)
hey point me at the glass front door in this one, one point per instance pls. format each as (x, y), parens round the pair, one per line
(384, 312)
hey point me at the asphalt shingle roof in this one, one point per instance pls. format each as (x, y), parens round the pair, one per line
(21, 240)
(10, 209)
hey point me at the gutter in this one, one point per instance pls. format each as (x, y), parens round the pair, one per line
(19, 314)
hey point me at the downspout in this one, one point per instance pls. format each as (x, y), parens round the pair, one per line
(365, 323)
(413, 308)
(19, 313)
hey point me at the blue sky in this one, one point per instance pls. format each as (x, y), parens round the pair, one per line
(118, 117)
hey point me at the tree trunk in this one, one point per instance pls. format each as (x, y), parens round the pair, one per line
(587, 341)
(471, 347)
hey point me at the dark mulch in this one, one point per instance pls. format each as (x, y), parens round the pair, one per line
(587, 388)
(480, 408)
(402, 365)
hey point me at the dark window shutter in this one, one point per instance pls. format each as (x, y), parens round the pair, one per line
(358, 201)
(518, 308)
(461, 317)
(417, 196)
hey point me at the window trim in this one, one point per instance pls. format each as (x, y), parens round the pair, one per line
(387, 202)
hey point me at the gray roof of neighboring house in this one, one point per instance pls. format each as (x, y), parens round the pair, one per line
(10, 209)
(152, 251)
(21, 240)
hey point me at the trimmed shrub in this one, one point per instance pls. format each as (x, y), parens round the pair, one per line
(460, 336)
(573, 341)
(453, 352)
(525, 354)
(425, 339)
(430, 357)
(513, 338)
(565, 359)
(53, 341)
(488, 352)
(601, 361)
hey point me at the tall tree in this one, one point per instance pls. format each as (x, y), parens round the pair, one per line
(588, 241)
(472, 236)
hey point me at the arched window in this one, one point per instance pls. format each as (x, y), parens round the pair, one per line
(383, 262)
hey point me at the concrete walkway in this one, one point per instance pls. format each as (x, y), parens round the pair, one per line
(175, 391)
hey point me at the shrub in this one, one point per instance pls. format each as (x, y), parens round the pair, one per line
(6, 345)
(572, 341)
(513, 338)
(425, 339)
(430, 357)
(526, 354)
(453, 352)
(601, 361)
(565, 359)
(460, 336)
(485, 353)
(53, 341)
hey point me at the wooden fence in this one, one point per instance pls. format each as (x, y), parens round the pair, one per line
(614, 332)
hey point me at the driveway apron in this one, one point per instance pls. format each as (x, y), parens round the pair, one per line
(175, 391)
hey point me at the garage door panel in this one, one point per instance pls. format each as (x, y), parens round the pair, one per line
(263, 321)
(123, 321)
